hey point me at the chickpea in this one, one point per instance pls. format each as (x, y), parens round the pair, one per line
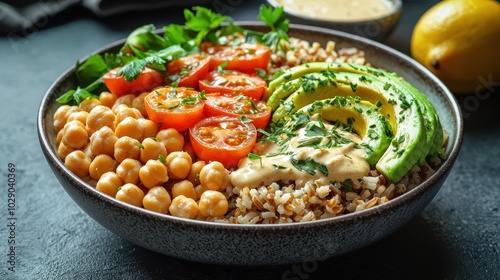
(188, 148)
(214, 176)
(131, 194)
(63, 150)
(59, 136)
(170, 184)
(138, 103)
(101, 164)
(149, 128)
(88, 152)
(178, 164)
(61, 115)
(199, 189)
(184, 188)
(152, 149)
(123, 111)
(171, 139)
(100, 116)
(194, 173)
(124, 99)
(80, 116)
(78, 163)
(89, 104)
(107, 99)
(157, 199)
(126, 147)
(129, 127)
(128, 170)
(75, 135)
(109, 183)
(153, 173)
(184, 207)
(213, 204)
(103, 141)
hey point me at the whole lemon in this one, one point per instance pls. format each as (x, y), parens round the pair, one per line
(459, 41)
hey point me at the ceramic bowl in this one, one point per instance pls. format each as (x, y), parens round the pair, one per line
(374, 28)
(233, 244)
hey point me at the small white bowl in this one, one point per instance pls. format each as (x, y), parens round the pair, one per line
(375, 28)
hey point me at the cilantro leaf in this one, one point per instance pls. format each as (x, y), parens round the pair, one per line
(309, 166)
(176, 34)
(76, 96)
(155, 61)
(203, 21)
(142, 40)
(275, 18)
(92, 69)
(114, 60)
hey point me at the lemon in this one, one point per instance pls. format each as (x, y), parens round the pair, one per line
(459, 41)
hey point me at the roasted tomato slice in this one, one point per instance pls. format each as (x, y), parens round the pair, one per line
(237, 105)
(186, 71)
(171, 107)
(229, 81)
(244, 57)
(222, 138)
(147, 80)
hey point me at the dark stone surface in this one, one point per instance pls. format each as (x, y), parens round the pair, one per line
(456, 237)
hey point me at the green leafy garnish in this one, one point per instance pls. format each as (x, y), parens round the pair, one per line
(203, 21)
(309, 166)
(76, 96)
(348, 185)
(276, 19)
(145, 46)
(92, 69)
(253, 156)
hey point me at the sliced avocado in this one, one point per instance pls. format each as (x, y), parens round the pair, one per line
(434, 130)
(411, 141)
(293, 73)
(433, 124)
(344, 84)
(364, 118)
(288, 87)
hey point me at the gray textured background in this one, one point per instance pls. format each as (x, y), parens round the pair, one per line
(456, 237)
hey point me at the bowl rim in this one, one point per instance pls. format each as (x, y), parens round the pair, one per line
(397, 9)
(444, 168)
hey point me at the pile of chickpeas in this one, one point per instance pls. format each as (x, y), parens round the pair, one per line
(111, 143)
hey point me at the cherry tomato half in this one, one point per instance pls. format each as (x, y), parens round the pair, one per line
(237, 105)
(171, 107)
(244, 57)
(224, 139)
(188, 70)
(147, 80)
(228, 81)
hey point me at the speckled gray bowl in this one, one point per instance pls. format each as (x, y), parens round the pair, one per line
(264, 244)
(376, 29)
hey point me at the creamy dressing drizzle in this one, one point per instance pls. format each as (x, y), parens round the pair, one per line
(343, 162)
(347, 10)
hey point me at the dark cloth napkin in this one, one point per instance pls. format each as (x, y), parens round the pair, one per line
(21, 15)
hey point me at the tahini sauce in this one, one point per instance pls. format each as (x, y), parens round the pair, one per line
(339, 10)
(343, 162)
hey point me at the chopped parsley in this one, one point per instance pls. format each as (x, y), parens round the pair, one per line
(309, 166)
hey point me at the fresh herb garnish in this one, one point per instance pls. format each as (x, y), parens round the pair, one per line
(253, 156)
(309, 166)
(348, 185)
(162, 159)
(276, 19)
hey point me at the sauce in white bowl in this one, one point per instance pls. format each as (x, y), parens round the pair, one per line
(339, 10)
